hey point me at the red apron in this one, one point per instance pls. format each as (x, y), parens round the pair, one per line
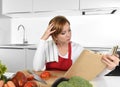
(62, 64)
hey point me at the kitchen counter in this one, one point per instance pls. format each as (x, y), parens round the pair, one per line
(104, 81)
(18, 46)
(34, 46)
(22, 54)
(99, 81)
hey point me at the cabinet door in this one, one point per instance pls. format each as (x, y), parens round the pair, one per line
(88, 4)
(29, 57)
(14, 59)
(50, 5)
(13, 6)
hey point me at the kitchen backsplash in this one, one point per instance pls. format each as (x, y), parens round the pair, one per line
(89, 31)
(5, 30)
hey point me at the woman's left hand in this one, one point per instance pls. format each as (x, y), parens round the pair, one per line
(111, 61)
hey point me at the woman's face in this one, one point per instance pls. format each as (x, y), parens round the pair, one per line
(65, 35)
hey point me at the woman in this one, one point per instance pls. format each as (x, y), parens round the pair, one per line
(60, 52)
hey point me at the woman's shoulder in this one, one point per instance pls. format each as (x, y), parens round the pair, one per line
(76, 50)
(74, 44)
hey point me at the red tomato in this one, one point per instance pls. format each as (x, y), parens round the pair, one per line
(30, 84)
(45, 75)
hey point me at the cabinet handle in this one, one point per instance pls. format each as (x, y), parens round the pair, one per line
(32, 48)
(10, 48)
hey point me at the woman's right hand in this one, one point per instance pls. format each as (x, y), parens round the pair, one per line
(48, 32)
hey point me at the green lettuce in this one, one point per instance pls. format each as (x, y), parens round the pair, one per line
(3, 69)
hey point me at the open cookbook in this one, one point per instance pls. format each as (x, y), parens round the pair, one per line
(88, 65)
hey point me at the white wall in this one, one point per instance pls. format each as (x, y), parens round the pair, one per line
(90, 30)
(5, 29)
(99, 30)
(34, 29)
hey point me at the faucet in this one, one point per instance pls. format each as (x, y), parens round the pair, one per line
(24, 39)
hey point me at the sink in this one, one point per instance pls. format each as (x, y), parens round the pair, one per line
(17, 44)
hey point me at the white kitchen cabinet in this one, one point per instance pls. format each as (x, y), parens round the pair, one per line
(29, 58)
(23, 6)
(89, 4)
(14, 6)
(51, 5)
(13, 58)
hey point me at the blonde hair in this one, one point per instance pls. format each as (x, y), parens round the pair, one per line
(58, 22)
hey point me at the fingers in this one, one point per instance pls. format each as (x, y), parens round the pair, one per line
(52, 31)
(115, 59)
(116, 55)
(48, 32)
(110, 61)
(49, 29)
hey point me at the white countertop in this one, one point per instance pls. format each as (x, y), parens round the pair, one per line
(18, 46)
(106, 81)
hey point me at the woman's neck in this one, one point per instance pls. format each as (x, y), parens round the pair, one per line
(63, 48)
(62, 45)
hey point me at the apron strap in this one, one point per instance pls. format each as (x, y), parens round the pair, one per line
(69, 50)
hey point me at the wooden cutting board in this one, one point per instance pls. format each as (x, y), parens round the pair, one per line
(54, 76)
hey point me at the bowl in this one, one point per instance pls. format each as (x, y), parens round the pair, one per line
(59, 80)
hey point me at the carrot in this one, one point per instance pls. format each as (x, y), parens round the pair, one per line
(5, 85)
(1, 83)
(10, 84)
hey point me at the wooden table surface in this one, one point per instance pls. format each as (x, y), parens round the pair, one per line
(54, 76)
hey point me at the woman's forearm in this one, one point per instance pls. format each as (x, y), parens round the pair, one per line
(39, 58)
